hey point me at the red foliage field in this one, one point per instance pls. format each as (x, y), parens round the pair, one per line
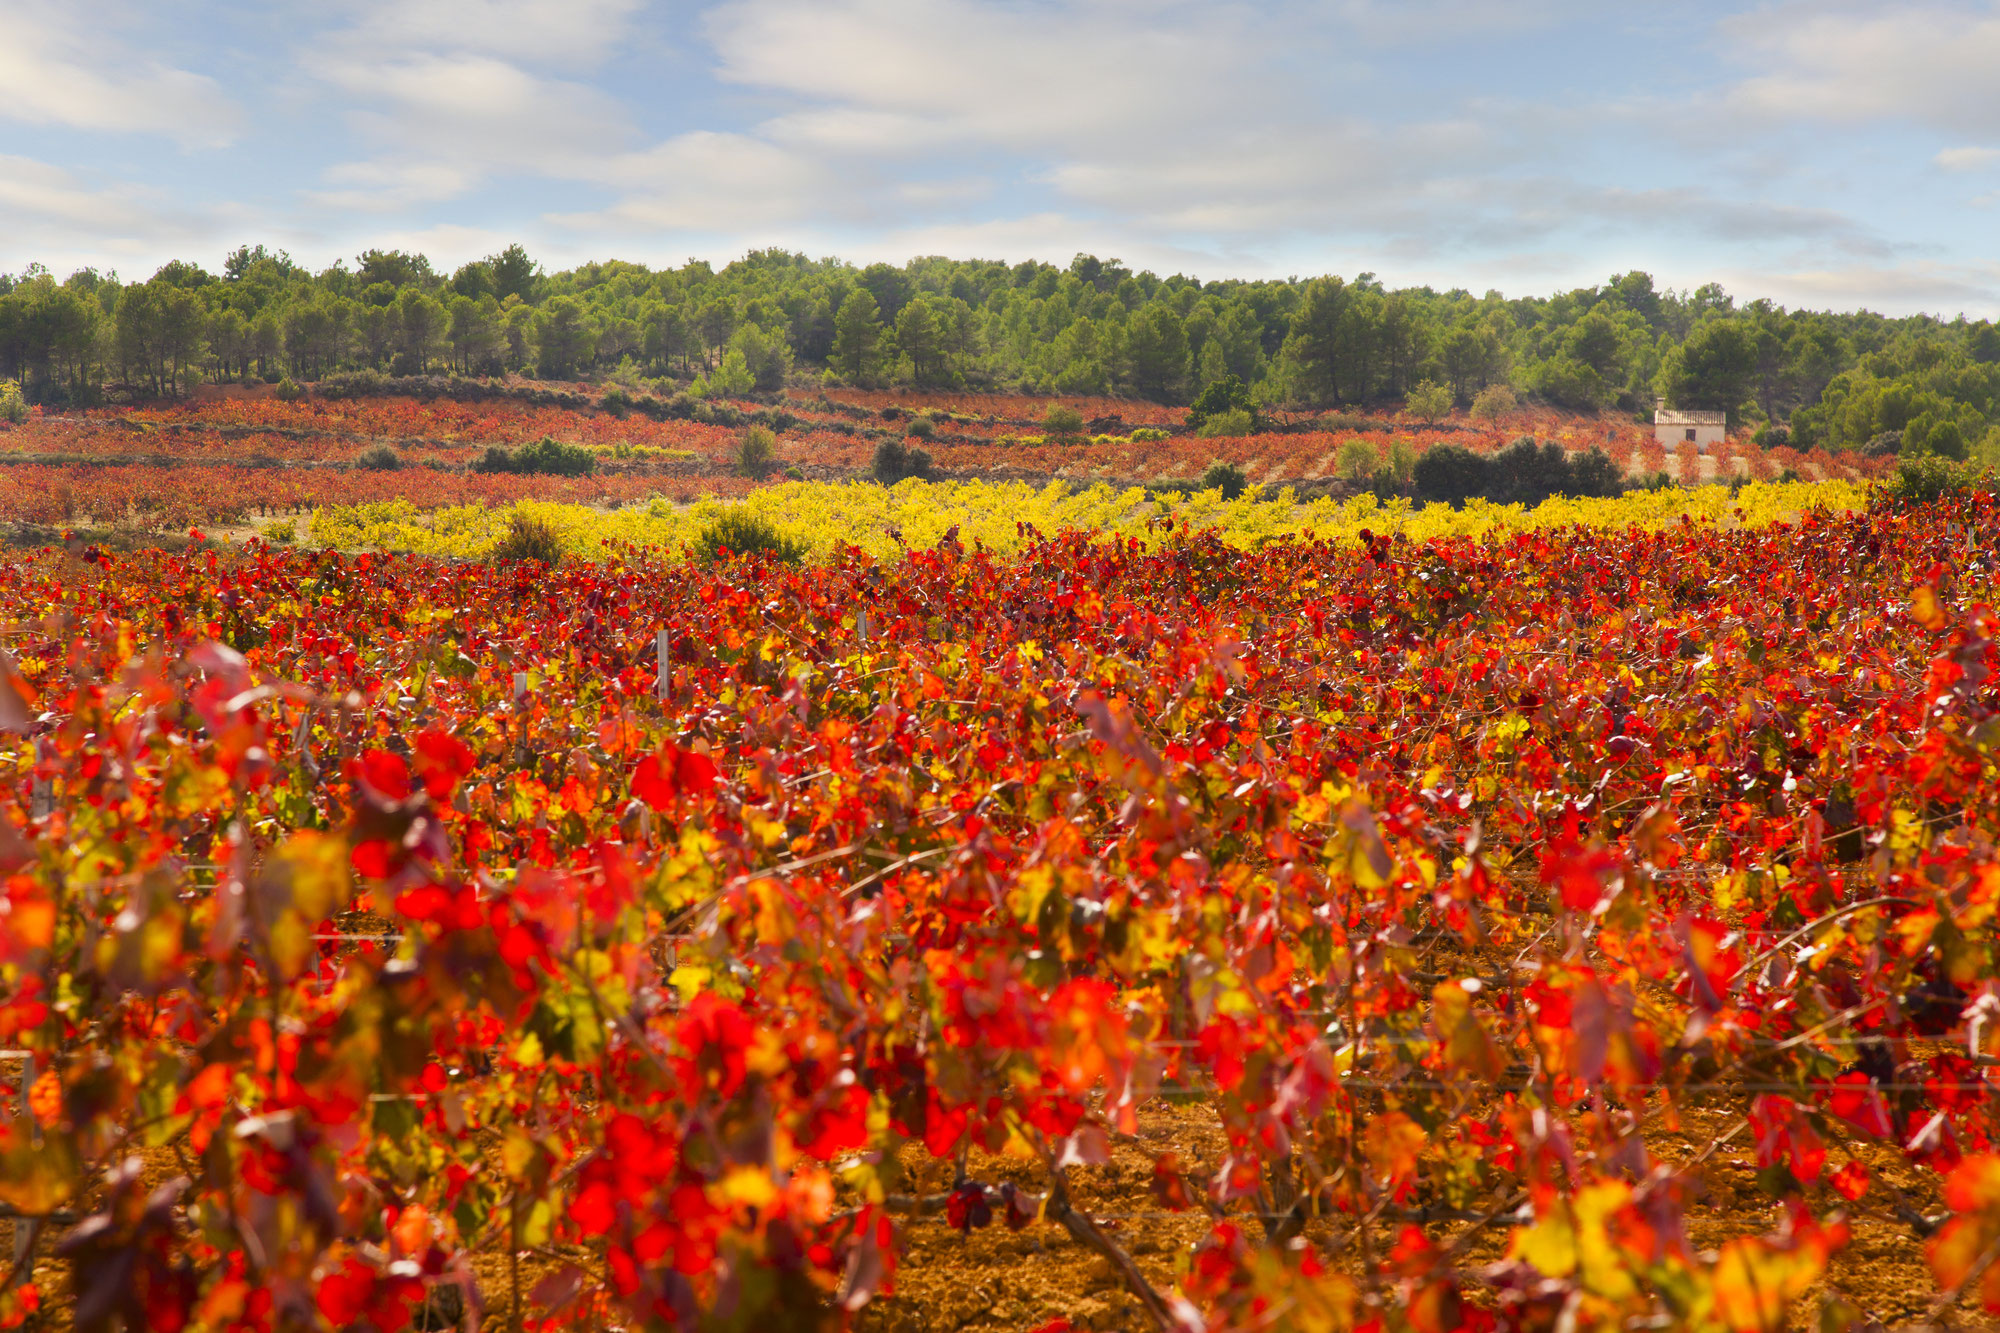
(234, 458)
(1430, 933)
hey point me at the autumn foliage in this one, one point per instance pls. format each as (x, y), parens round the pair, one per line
(408, 909)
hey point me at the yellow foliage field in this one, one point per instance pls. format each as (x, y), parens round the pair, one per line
(880, 519)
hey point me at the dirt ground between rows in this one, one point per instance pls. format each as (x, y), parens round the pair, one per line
(992, 1279)
(997, 1279)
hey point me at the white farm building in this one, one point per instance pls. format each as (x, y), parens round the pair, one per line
(1701, 429)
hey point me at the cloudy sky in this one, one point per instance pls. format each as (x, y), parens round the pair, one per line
(1824, 154)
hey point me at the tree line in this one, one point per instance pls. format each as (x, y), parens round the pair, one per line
(1846, 380)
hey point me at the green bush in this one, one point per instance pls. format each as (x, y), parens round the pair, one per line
(1222, 425)
(1523, 473)
(923, 428)
(1227, 478)
(1148, 433)
(380, 459)
(1944, 438)
(1986, 453)
(1452, 475)
(1228, 394)
(288, 390)
(1929, 477)
(754, 451)
(1428, 401)
(1593, 474)
(1402, 462)
(1357, 460)
(1495, 400)
(736, 531)
(1064, 423)
(529, 538)
(1526, 474)
(896, 461)
(369, 383)
(543, 457)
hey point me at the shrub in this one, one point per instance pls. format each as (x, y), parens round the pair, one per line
(1146, 433)
(1929, 477)
(1357, 460)
(1524, 473)
(1227, 424)
(544, 457)
(1062, 422)
(288, 390)
(1987, 452)
(1222, 425)
(1225, 477)
(1495, 400)
(923, 428)
(354, 384)
(737, 531)
(1452, 475)
(1227, 394)
(1402, 462)
(380, 459)
(284, 532)
(529, 538)
(617, 402)
(13, 407)
(1428, 401)
(896, 461)
(755, 448)
(733, 378)
(1945, 439)
(1593, 474)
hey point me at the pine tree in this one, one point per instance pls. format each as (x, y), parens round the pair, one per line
(857, 336)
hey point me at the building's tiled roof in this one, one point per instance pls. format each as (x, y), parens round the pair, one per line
(1666, 418)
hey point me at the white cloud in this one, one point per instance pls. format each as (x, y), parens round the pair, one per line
(53, 216)
(1167, 131)
(708, 181)
(1930, 64)
(391, 187)
(443, 122)
(1967, 159)
(447, 245)
(1927, 286)
(884, 74)
(533, 32)
(53, 63)
(475, 109)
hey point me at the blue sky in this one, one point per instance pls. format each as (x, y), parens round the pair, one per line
(1826, 155)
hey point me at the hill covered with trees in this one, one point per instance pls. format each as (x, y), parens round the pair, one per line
(1840, 380)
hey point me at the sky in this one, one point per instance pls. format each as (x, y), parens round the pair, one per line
(1825, 155)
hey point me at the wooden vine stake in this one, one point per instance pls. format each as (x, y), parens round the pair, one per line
(26, 1229)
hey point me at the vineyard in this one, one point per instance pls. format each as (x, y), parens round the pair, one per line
(1043, 909)
(235, 462)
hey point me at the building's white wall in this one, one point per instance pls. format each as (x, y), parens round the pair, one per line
(1705, 437)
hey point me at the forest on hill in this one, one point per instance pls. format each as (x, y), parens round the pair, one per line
(1838, 380)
